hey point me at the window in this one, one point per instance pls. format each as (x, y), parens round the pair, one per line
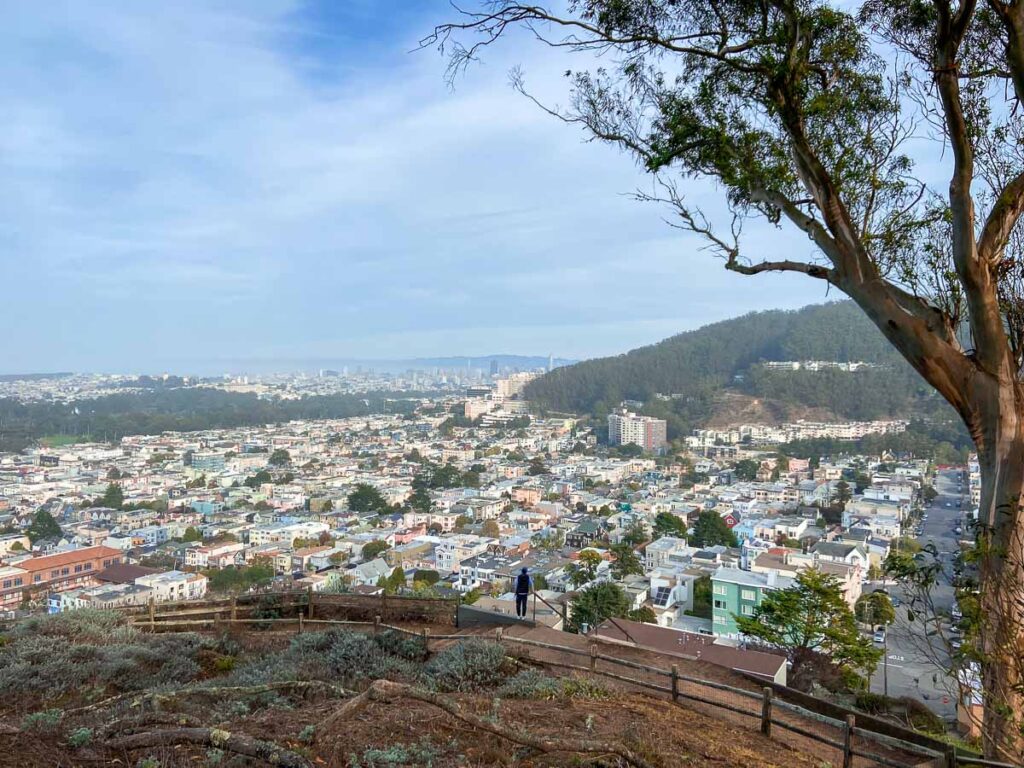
(720, 619)
(720, 604)
(54, 574)
(748, 594)
(18, 582)
(88, 566)
(719, 589)
(78, 568)
(38, 577)
(65, 571)
(747, 610)
(7, 584)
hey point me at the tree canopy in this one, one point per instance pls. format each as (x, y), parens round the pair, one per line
(374, 549)
(711, 530)
(811, 617)
(366, 498)
(43, 526)
(874, 608)
(667, 524)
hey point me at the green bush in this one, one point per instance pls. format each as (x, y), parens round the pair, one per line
(534, 684)
(466, 666)
(80, 737)
(47, 720)
(872, 703)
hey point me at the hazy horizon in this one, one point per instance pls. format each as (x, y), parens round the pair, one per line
(285, 179)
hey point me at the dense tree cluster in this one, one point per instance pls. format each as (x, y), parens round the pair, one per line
(157, 410)
(695, 365)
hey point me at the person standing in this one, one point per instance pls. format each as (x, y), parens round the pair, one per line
(523, 586)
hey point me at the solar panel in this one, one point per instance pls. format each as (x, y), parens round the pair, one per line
(661, 596)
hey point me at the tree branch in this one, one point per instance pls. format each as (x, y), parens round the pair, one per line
(266, 751)
(1003, 217)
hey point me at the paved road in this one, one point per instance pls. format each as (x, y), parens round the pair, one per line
(912, 667)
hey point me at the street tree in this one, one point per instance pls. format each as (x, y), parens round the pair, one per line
(811, 617)
(280, 458)
(667, 524)
(626, 561)
(711, 530)
(374, 549)
(366, 498)
(596, 603)
(43, 526)
(584, 570)
(491, 529)
(874, 608)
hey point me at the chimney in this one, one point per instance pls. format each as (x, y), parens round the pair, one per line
(773, 578)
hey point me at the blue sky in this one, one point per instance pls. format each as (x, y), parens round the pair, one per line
(191, 182)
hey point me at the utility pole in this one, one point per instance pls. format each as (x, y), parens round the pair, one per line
(885, 663)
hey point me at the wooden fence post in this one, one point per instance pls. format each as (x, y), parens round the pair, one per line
(675, 683)
(376, 625)
(848, 741)
(234, 608)
(951, 756)
(300, 622)
(593, 658)
(312, 596)
(426, 638)
(766, 712)
(152, 613)
(497, 635)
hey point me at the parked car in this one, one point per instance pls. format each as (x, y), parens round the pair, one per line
(879, 636)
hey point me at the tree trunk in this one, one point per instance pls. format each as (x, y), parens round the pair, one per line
(1000, 537)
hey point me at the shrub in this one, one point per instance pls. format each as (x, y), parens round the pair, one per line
(422, 754)
(466, 666)
(401, 645)
(47, 720)
(224, 663)
(80, 737)
(307, 733)
(534, 684)
(872, 703)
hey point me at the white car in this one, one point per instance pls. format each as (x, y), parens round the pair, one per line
(879, 636)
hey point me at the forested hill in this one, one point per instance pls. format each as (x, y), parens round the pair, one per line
(698, 365)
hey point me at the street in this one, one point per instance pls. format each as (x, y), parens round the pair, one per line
(910, 655)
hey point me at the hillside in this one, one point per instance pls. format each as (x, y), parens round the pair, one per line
(85, 689)
(696, 367)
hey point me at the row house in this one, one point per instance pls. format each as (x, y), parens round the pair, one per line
(61, 572)
(174, 585)
(215, 555)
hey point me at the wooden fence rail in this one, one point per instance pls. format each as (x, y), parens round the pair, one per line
(765, 706)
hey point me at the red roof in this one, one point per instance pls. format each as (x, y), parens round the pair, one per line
(68, 558)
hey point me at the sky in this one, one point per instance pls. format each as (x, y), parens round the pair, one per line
(194, 182)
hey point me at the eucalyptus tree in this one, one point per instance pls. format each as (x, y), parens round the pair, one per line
(804, 113)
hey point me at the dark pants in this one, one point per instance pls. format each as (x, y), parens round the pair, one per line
(521, 605)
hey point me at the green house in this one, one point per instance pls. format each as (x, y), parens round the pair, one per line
(738, 593)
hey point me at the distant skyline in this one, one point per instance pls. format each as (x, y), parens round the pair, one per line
(236, 179)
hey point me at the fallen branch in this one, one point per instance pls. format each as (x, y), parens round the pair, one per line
(385, 690)
(266, 751)
(160, 699)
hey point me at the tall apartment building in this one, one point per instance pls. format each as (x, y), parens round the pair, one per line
(625, 428)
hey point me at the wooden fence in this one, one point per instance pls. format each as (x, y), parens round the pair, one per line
(294, 606)
(849, 736)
